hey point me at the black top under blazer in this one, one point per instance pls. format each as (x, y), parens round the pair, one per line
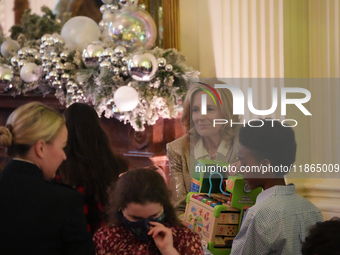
(39, 217)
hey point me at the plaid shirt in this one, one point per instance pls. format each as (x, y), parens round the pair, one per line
(93, 210)
(276, 224)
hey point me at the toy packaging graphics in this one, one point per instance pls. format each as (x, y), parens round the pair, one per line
(214, 216)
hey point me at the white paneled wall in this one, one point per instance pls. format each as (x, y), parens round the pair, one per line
(277, 39)
(7, 14)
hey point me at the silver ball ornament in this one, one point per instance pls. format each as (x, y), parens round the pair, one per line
(75, 86)
(22, 62)
(120, 51)
(42, 51)
(22, 52)
(107, 53)
(5, 76)
(49, 42)
(15, 61)
(105, 63)
(110, 103)
(56, 84)
(69, 85)
(37, 56)
(45, 37)
(47, 64)
(103, 8)
(64, 55)
(143, 67)
(74, 98)
(55, 60)
(70, 91)
(65, 78)
(59, 40)
(60, 68)
(128, 2)
(53, 75)
(80, 92)
(92, 53)
(168, 68)
(114, 60)
(46, 70)
(53, 54)
(124, 71)
(125, 60)
(45, 58)
(116, 70)
(113, 7)
(161, 62)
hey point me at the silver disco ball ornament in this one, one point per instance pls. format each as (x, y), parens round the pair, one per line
(92, 53)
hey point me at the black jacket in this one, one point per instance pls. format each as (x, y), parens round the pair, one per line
(38, 217)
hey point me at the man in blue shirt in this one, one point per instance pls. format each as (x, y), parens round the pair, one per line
(279, 221)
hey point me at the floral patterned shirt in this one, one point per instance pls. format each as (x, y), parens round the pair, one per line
(119, 240)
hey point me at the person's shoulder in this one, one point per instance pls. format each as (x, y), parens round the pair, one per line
(179, 141)
(61, 190)
(304, 204)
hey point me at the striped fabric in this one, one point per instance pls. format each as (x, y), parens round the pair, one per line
(276, 224)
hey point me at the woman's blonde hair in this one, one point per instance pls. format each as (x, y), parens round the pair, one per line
(228, 132)
(27, 125)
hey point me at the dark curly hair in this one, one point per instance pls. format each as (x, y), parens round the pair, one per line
(141, 186)
(323, 238)
(270, 141)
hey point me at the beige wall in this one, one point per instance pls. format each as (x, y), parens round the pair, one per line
(281, 39)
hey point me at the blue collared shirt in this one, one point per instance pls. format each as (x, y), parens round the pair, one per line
(276, 224)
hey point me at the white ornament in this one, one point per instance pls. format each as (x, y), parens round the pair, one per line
(9, 47)
(126, 98)
(30, 72)
(79, 31)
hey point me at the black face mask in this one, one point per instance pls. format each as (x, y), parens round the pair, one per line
(141, 228)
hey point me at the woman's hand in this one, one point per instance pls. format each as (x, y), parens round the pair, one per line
(162, 237)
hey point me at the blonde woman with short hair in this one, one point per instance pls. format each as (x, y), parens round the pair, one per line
(36, 216)
(202, 140)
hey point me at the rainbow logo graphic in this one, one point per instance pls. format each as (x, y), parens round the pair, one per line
(204, 98)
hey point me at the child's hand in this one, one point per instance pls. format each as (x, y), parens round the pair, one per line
(162, 237)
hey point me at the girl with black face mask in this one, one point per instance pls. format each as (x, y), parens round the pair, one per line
(142, 219)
